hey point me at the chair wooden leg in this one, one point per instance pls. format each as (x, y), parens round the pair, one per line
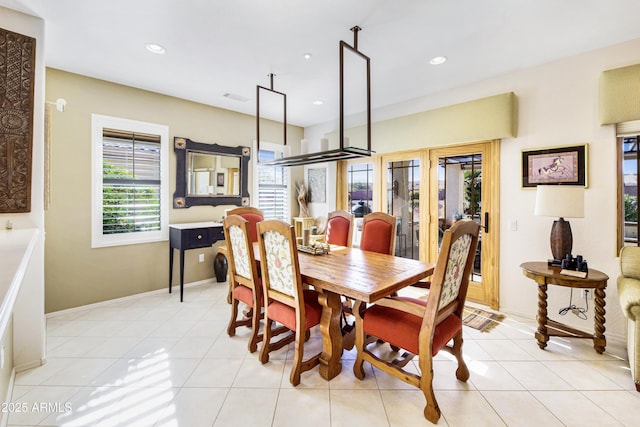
(431, 410)
(462, 373)
(294, 378)
(231, 329)
(266, 341)
(358, 368)
(268, 334)
(255, 328)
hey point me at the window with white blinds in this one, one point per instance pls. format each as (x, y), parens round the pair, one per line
(130, 195)
(272, 184)
(130, 182)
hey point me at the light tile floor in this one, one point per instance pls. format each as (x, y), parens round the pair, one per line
(153, 361)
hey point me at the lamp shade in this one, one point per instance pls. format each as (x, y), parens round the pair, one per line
(561, 201)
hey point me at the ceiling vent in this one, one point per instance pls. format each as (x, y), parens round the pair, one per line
(236, 97)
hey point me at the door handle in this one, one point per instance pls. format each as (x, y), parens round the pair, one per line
(485, 226)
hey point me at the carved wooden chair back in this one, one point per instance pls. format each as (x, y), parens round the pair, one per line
(379, 233)
(251, 214)
(245, 284)
(285, 301)
(340, 228)
(421, 327)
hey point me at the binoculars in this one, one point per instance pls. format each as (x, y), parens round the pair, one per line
(577, 263)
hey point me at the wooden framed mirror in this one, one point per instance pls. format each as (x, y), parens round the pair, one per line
(210, 174)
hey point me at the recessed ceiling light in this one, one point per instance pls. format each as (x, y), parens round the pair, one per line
(155, 48)
(437, 60)
(318, 102)
(307, 55)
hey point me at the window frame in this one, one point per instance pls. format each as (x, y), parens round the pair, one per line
(342, 192)
(621, 221)
(342, 195)
(270, 146)
(98, 239)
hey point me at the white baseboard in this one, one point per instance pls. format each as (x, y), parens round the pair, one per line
(29, 365)
(54, 314)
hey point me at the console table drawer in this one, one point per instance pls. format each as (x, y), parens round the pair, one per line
(216, 234)
(196, 238)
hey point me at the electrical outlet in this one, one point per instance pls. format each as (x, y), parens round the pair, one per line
(200, 257)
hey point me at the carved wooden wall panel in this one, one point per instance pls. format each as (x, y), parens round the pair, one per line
(17, 79)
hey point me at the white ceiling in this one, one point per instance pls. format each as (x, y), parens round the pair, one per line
(215, 47)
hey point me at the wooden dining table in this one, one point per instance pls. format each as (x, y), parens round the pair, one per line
(360, 275)
(356, 274)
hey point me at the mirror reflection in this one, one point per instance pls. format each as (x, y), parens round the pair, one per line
(212, 174)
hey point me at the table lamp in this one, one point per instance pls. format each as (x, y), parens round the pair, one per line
(560, 201)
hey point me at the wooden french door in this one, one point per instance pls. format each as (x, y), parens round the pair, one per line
(405, 196)
(464, 183)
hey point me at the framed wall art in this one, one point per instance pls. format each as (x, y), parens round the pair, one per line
(565, 165)
(317, 179)
(17, 66)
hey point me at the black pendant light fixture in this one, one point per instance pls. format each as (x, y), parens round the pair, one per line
(353, 63)
(271, 105)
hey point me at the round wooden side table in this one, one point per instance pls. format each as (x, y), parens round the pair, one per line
(544, 274)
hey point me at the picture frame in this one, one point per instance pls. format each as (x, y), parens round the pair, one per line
(220, 179)
(562, 165)
(317, 179)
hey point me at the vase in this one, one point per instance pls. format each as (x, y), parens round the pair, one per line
(220, 267)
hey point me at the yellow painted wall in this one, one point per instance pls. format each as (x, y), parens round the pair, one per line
(76, 274)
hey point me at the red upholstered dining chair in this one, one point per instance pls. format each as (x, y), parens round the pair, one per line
(339, 228)
(423, 328)
(251, 214)
(285, 301)
(244, 283)
(379, 233)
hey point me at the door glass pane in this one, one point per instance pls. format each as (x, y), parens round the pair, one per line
(360, 194)
(403, 194)
(460, 197)
(630, 189)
